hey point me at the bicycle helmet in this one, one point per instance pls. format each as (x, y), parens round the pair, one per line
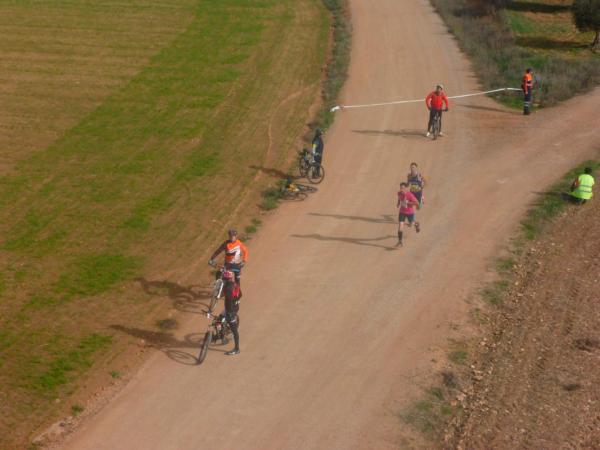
(318, 132)
(232, 233)
(439, 86)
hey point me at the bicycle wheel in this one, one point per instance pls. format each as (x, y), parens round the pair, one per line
(216, 294)
(316, 173)
(217, 288)
(211, 307)
(305, 188)
(436, 126)
(293, 196)
(303, 166)
(204, 349)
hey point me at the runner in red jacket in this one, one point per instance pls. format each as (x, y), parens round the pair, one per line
(435, 104)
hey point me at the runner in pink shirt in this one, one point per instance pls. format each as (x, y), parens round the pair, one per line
(407, 203)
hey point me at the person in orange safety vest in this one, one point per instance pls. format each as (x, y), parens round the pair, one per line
(527, 86)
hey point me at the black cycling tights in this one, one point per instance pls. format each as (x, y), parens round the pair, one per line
(233, 324)
(231, 309)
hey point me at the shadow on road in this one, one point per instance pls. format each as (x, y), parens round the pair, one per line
(488, 108)
(167, 343)
(405, 133)
(385, 218)
(368, 242)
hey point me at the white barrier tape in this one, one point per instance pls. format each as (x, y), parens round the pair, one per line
(400, 102)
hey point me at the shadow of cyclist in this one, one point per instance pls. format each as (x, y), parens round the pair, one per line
(275, 173)
(189, 299)
(183, 351)
(368, 242)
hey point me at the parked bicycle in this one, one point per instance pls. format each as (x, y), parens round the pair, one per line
(309, 168)
(295, 191)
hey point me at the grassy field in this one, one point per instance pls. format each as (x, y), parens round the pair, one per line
(524, 33)
(59, 60)
(132, 134)
(547, 28)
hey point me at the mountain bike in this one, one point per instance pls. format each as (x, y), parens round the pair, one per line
(436, 127)
(309, 168)
(218, 329)
(295, 191)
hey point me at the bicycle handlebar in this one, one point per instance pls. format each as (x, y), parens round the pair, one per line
(214, 265)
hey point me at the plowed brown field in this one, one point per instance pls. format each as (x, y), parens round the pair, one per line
(540, 368)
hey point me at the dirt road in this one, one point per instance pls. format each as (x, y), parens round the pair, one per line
(337, 325)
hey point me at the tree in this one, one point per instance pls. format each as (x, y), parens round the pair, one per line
(586, 14)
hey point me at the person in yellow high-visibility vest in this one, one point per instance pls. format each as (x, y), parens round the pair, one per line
(581, 189)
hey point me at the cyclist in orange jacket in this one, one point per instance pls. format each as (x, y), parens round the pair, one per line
(435, 104)
(236, 254)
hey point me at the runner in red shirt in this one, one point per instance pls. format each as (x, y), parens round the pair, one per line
(435, 104)
(407, 203)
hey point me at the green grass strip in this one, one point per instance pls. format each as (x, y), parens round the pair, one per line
(97, 190)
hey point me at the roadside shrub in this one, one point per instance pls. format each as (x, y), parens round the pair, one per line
(337, 67)
(271, 198)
